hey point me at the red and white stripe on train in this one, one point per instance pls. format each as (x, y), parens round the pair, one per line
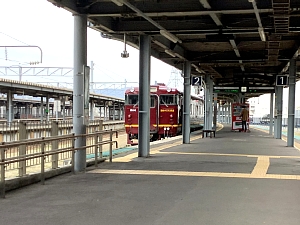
(165, 112)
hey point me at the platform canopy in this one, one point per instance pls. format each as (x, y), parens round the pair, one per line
(239, 43)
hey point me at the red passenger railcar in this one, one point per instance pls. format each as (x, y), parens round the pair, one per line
(165, 112)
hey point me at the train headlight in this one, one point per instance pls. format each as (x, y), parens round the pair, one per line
(129, 116)
(132, 90)
(171, 115)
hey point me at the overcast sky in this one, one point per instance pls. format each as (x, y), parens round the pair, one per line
(38, 22)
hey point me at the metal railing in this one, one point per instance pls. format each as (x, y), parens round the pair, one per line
(20, 158)
(20, 130)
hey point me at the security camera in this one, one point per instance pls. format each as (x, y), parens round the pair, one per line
(125, 54)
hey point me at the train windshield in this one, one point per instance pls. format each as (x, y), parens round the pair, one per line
(134, 100)
(169, 99)
(131, 99)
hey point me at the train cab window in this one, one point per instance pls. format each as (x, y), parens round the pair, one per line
(131, 99)
(168, 99)
(153, 101)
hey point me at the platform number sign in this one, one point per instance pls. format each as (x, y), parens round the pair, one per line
(196, 81)
(282, 80)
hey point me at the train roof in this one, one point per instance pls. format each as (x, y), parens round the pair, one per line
(161, 89)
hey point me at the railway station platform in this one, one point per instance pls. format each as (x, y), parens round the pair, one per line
(234, 178)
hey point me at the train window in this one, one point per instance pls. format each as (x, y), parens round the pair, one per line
(153, 101)
(131, 99)
(168, 99)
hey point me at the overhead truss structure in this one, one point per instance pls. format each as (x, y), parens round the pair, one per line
(245, 42)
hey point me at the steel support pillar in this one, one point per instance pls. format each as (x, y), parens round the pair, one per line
(144, 96)
(278, 112)
(215, 110)
(209, 99)
(271, 113)
(291, 105)
(80, 61)
(186, 103)
(230, 113)
(206, 101)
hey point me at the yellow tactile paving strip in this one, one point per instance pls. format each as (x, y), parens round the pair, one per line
(259, 171)
(261, 167)
(196, 174)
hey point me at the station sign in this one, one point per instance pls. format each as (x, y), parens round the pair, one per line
(268, 89)
(282, 80)
(196, 81)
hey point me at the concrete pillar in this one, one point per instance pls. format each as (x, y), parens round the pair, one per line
(26, 110)
(186, 103)
(114, 110)
(105, 111)
(42, 109)
(80, 61)
(291, 106)
(10, 107)
(54, 132)
(92, 110)
(144, 96)
(120, 116)
(47, 108)
(64, 108)
(22, 149)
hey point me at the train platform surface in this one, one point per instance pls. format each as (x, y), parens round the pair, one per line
(234, 178)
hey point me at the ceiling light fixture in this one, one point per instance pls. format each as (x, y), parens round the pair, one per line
(124, 54)
(170, 36)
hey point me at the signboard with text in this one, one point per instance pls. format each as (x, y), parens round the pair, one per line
(282, 80)
(196, 81)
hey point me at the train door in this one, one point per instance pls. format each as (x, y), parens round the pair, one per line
(154, 114)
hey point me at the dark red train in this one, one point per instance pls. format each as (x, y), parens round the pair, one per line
(165, 112)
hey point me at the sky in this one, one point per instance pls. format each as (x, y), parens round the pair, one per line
(40, 23)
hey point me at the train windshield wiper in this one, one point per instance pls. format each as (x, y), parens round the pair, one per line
(164, 103)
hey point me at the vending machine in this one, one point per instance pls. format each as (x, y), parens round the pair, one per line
(236, 116)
